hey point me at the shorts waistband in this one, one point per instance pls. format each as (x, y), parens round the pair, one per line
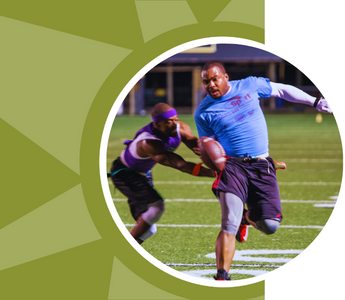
(251, 158)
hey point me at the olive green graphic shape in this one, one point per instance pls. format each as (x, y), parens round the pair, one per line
(84, 272)
(157, 17)
(205, 11)
(168, 14)
(121, 289)
(113, 22)
(30, 176)
(43, 212)
(116, 22)
(49, 80)
(253, 16)
(49, 229)
(78, 273)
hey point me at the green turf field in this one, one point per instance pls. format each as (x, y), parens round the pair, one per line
(188, 230)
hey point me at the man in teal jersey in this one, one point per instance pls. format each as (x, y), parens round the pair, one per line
(231, 114)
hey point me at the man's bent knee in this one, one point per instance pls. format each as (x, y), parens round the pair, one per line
(229, 228)
(267, 226)
(154, 212)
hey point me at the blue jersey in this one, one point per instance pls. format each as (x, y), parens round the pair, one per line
(236, 120)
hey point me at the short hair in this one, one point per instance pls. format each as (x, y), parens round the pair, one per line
(211, 64)
(160, 108)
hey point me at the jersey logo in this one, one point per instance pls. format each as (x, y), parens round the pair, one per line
(236, 101)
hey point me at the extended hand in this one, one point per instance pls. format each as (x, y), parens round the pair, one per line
(323, 106)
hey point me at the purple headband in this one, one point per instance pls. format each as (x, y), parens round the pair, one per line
(166, 115)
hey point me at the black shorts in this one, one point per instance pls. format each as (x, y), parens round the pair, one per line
(254, 185)
(135, 186)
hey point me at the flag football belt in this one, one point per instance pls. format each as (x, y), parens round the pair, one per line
(117, 171)
(126, 169)
(278, 165)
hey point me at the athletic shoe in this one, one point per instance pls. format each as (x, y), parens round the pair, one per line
(242, 233)
(218, 279)
(222, 275)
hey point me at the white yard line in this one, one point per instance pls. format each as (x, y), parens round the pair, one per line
(248, 256)
(295, 160)
(314, 160)
(309, 183)
(326, 205)
(214, 265)
(202, 273)
(218, 226)
(211, 182)
(330, 202)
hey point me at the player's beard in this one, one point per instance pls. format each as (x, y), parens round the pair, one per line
(172, 132)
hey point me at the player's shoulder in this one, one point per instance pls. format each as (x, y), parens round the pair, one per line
(258, 79)
(205, 103)
(253, 82)
(251, 79)
(145, 135)
(149, 144)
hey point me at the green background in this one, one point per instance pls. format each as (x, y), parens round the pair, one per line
(63, 64)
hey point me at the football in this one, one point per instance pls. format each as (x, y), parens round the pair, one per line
(212, 154)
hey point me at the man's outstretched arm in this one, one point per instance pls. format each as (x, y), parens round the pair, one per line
(293, 94)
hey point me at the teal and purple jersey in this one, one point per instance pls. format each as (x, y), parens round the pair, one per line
(236, 120)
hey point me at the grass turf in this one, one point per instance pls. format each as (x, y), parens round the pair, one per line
(313, 154)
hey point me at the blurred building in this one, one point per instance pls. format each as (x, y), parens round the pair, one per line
(177, 79)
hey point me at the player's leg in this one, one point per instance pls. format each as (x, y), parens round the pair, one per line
(266, 226)
(146, 205)
(264, 205)
(232, 208)
(150, 232)
(141, 230)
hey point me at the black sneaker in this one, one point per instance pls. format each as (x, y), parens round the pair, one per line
(222, 275)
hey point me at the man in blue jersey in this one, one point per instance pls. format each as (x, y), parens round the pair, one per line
(131, 172)
(231, 114)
